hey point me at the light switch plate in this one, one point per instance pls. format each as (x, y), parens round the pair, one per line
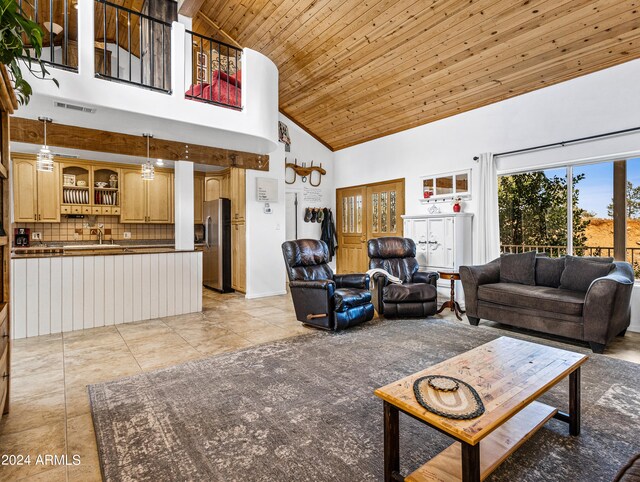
(126, 235)
(36, 235)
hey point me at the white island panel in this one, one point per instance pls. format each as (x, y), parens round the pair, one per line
(60, 294)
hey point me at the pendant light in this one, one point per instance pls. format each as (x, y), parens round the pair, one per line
(148, 171)
(44, 160)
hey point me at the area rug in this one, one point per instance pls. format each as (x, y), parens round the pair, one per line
(303, 409)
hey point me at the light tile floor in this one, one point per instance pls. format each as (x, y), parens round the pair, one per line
(49, 405)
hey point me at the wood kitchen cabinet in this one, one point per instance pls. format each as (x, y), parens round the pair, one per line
(237, 193)
(198, 197)
(148, 202)
(36, 194)
(238, 256)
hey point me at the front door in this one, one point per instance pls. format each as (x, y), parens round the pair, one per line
(352, 230)
(366, 212)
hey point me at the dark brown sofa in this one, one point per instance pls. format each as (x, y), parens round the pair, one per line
(596, 310)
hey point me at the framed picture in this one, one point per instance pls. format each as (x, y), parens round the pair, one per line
(69, 179)
(283, 133)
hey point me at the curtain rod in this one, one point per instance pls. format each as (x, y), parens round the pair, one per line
(564, 143)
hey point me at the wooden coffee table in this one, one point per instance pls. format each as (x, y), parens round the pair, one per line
(509, 375)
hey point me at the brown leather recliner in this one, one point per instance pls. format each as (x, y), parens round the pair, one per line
(320, 298)
(417, 296)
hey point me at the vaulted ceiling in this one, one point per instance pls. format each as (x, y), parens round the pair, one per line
(355, 70)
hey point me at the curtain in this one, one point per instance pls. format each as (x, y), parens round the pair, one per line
(487, 245)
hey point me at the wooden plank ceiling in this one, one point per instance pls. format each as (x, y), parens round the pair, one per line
(355, 70)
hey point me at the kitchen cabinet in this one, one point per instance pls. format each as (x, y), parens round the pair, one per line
(36, 194)
(237, 193)
(198, 198)
(146, 201)
(160, 198)
(212, 188)
(238, 256)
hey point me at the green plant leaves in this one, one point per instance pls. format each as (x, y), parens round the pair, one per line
(19, 36)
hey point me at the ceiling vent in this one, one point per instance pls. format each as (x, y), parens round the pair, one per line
(78, 108)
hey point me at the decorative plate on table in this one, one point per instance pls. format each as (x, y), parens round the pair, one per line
(448, 397)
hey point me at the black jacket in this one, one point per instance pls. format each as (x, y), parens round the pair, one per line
(329, 233)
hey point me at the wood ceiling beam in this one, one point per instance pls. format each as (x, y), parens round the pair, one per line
(189, 8)
(72, 137)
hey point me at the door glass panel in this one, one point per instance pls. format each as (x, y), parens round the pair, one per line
(359, 213)
(345, 214)
(462, 183)
(351, 214)
(392, 212)
(384, 227)
(444, 185)
(374, 212)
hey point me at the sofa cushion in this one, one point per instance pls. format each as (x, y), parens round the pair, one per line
(541, 298)
(518, 268)
(346, 298)
(408, 292)
(549, 271)
(579, 273)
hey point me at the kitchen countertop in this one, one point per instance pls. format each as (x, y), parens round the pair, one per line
(48, 250)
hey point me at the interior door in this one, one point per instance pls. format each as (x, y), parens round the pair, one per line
(352, 230)
(385, 207)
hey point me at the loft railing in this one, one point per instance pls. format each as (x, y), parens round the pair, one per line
(215, 71)
(59, 22)
(132, 47)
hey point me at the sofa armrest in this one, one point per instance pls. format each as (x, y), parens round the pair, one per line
(378, 282)
(360, 281)
(474, 276)
(607, 304)
(429, 278)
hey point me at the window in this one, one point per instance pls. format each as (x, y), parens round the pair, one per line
(533, 212)
(539, 211)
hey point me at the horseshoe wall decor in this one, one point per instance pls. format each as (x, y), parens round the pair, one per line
(305, 172)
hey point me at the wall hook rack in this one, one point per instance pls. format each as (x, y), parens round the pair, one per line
(305, 171)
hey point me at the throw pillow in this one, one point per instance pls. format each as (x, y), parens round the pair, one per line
(518, 268)
(579, 273)
(549, 271)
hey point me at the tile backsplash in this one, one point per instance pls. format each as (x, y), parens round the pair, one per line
(74, 229)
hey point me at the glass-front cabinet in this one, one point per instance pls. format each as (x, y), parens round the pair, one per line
(88, 189)
(446, 186)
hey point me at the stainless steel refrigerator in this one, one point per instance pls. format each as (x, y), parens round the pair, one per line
(216, 273)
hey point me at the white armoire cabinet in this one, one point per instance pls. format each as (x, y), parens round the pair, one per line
(443, 241)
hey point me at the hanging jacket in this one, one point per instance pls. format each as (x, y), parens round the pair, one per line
(329, 233)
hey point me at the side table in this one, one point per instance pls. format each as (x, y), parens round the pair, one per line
(451, 303)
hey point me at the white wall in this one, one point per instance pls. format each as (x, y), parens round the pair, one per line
(133, 110)
(305, 148)
(266, 275)
(601, 102)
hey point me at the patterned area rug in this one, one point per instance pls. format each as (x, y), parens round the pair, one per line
(304, 409)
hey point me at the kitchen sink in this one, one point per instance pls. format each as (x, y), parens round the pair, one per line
(91, 246)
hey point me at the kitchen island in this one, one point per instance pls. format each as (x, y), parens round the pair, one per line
(59, 289)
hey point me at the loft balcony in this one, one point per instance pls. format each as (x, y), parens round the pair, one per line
(127, 66)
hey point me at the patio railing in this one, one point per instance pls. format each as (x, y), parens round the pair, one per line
(632, 254)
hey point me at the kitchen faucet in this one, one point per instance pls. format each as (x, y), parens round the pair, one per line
(100, 235)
